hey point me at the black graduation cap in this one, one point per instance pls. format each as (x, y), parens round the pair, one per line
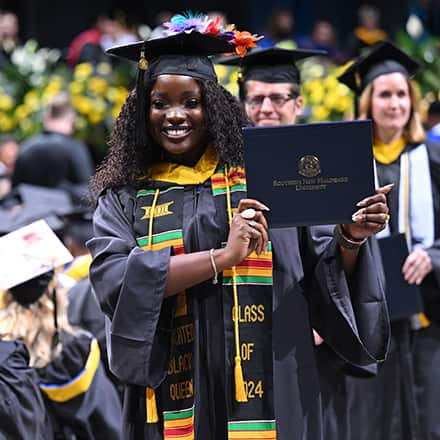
(273, 65)
(185, 53)
(381, 59)
(31, 290)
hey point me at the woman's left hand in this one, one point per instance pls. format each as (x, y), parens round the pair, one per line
(417, 265)
(371, 217)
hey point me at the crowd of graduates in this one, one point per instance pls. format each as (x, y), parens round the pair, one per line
(142, 318)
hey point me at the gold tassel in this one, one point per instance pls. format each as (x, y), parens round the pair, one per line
(240, 390)
(150, 404)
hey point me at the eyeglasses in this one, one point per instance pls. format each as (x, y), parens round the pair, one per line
(277, 99)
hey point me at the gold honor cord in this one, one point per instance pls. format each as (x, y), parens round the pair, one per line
(240, 391)
(150, 396)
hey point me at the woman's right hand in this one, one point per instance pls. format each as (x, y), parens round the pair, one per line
(247, 234)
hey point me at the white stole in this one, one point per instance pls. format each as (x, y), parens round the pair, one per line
(416, 206)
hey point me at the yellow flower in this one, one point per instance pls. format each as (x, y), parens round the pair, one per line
(53, 87)
(104, 68)
(95, 117)
(83, 71)
(221, 71)
(97, 85)
(331, 82)
(232, 88)
(317, 94)
(82, 104)
(344, 104)
(331, 99)
(312, 84)
(320, 113)
(117, 94)
(115, 111)
(76, 88)
(32, 100)
(6, 122)
(6, 102)
(22, 112)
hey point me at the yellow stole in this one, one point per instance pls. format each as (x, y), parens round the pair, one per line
(185, 175)
(388, 153)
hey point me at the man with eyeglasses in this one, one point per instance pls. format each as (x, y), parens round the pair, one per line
(269, 84)
(269, 88)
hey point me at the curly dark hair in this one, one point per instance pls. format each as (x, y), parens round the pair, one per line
(126, 161)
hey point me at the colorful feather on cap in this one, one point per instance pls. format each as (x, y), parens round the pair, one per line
(190, 22)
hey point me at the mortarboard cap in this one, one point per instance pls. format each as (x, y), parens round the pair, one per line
(190, 40)
(28, 253)
(180, 54)
(381, 59)
(273, 65)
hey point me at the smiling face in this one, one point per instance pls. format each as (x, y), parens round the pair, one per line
(177, 118)
(391, 102)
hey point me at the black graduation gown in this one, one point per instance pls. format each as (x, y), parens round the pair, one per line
(88, 409)
(308, 283)
(427, 341)
(389, 398)
(22, 409)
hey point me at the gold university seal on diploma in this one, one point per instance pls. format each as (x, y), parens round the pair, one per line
(309, 166)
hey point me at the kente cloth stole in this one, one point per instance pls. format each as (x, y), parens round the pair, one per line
(253, 419)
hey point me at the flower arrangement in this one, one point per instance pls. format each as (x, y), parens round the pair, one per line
(325, 98)
(34, 75)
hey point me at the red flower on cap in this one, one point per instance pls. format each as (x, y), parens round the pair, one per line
(243, 41)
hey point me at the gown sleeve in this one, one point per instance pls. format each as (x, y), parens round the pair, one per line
(349, 313)
(129, 284)
(22, 410)
(79, 395)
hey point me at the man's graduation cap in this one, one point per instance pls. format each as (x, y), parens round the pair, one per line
(273, 65)
(381, 59)
(191, 40)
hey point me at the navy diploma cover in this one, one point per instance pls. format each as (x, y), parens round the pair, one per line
(309, 174)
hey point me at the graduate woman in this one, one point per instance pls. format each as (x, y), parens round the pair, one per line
(391, 400)
(209, 312)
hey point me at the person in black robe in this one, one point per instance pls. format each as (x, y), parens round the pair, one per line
(269, 87)
(209, 314)
(79, 399)
(55, 149)
(22, 410)
(401, 400)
